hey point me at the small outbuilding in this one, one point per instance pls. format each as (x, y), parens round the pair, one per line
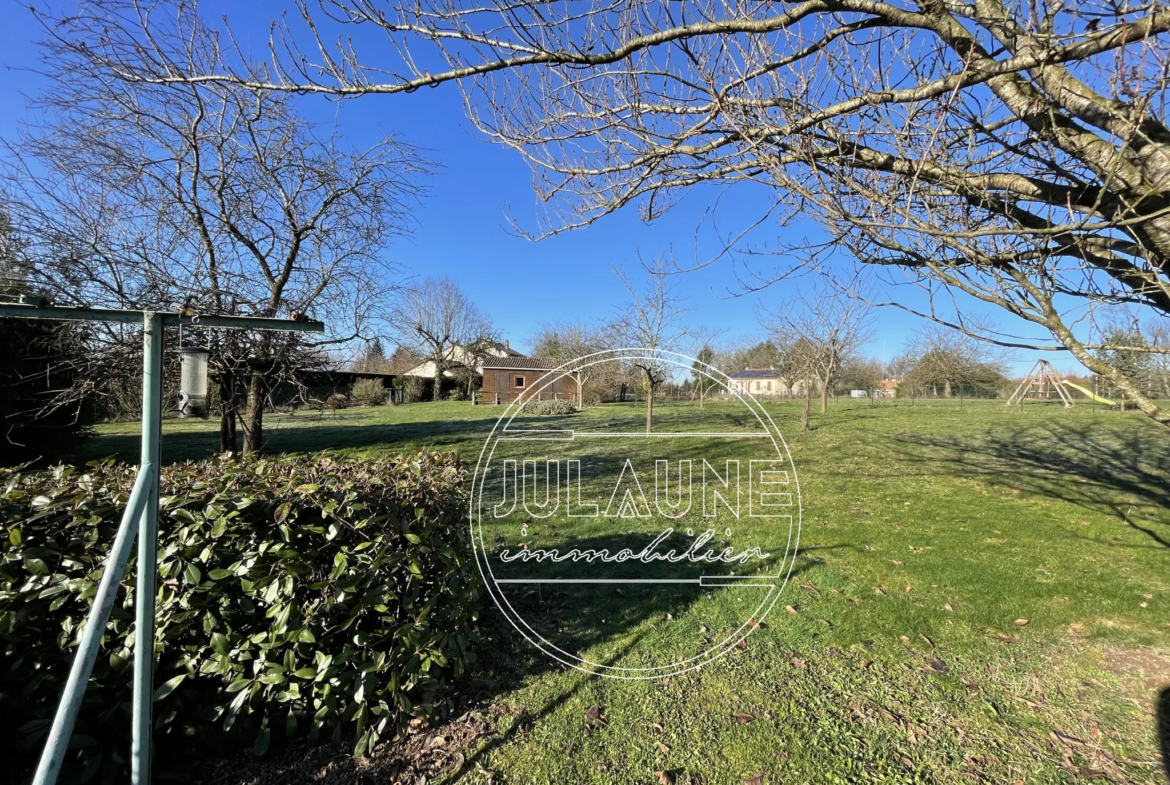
(506, 379)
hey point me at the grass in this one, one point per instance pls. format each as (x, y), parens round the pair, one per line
(928, 531)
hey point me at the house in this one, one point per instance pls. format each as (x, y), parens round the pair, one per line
(887, 388)
(760, 381)
(459, 358)
(507, 378)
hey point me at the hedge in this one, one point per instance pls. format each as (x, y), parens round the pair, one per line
(547, 406)
(297, 596)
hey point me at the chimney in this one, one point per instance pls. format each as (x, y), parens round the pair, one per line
(506, 346)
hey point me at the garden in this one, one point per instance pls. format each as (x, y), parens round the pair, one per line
(977, 597)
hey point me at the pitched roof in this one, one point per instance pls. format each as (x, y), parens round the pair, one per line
(519, 363)
(757, 373)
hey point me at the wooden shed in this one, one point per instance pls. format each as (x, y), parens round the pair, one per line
(507, 378)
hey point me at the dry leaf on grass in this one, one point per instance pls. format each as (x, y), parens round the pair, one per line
(594, 715)
(744, 719)
(1021, 622)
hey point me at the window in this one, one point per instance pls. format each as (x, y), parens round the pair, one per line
(519, 381)
(769, 387)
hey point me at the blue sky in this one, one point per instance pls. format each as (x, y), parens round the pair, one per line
(462, 229)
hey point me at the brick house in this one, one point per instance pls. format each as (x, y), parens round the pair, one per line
(507, 378)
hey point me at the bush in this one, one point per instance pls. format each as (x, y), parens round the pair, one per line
(38, 360)
(297, 596)
(548, 407)
(369, 392)
(337, 401)
(415, 388)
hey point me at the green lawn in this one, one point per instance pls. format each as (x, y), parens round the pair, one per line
(928, 531)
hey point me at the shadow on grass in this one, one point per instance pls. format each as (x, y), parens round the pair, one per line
(582, 619)
(1164, 729)
(310, 433)
(287, 437)
(1097, 469)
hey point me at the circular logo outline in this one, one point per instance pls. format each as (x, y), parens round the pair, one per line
(481, 551)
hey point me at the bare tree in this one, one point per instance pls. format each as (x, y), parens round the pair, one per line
(215, 199)
(1158, 337)
(653, 322)
(569, 341)
(707, 353)
(434, 320)
(1017, 152)
(948, 362)
(819, 333)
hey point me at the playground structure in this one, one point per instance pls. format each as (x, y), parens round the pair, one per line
(1044, 382)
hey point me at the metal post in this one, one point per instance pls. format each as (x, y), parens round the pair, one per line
(152, 372)
(141, 512)
(91, 637)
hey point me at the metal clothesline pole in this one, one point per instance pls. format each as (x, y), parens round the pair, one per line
(142, 516)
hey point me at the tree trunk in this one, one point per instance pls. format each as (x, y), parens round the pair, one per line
(435, 394)
(824, 398)
(947, 389)
(227, 413)
(806, 415)
(650, 409)
(254, 414)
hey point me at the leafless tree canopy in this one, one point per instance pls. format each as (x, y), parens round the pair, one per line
(1014, 151)
(568, 341)
(217, 199)
(653, 321)
(435, 320)
(817, 335)
(947, 362)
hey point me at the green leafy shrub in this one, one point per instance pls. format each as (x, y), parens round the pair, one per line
(297, 596)
(547, 407)
(415, 389)
(368, 392)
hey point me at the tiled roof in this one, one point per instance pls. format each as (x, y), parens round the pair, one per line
(757, 373)
(518, 363)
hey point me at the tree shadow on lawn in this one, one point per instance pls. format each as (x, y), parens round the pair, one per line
(178, 446)
(1164, 729)
(505, 663)
(1099, 470)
